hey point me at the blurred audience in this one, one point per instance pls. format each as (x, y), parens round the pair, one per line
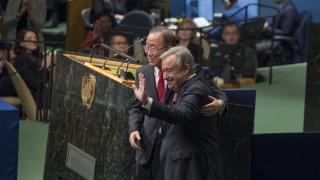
(116, 7)
(231, 7)
(285, 23)
(6, 87)
(54, 12)
(29, 61)
(103, 22)
(119, 42)
(3, 4)
(22, 14)
(185, 35)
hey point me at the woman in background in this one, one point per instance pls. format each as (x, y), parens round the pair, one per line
(185, 36)
(29, 61)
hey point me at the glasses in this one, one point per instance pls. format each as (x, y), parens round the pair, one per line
(152, 48)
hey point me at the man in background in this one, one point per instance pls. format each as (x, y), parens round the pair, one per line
(240, 61)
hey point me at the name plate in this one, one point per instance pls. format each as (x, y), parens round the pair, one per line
(80, 162)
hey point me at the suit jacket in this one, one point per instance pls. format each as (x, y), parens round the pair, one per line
(35, 21)
(141, 121)
(189, 150)
(285, 22)
(29, 69)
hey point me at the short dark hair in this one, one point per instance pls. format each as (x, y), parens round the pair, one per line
(168, 36)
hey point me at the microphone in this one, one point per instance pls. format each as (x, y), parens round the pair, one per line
(140, 41)
(113, 49)
(125, 73)
(91, 51)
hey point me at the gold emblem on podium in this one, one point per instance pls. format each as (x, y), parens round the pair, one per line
(88, 89)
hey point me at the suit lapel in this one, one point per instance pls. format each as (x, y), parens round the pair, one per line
(152, 89)
(168, 95)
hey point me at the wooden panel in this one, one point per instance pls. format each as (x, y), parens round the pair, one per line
(76, 30)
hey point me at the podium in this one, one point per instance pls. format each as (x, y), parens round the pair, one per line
(89, 141)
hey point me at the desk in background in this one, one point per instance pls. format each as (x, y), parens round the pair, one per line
(9, 138)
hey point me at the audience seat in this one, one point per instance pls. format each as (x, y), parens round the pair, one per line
(28, 103)
(15, 101)
(137, 22)
(85, 13)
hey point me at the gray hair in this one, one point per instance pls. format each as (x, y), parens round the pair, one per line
(183, 55)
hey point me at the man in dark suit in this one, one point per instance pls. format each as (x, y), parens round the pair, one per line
(146, 129)
(285, 22)
(189, 150)
(233, 60)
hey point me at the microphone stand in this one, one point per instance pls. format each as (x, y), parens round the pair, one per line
(91, 51)
(125, 74)
(121, 54)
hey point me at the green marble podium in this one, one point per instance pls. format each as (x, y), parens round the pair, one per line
(101, 131)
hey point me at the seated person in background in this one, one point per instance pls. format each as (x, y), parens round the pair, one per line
(29, 61)
(285, 22)
(243, 67)
(6, 87)
(185, 35)
(231, 7)
(103, 22)
(119, 42)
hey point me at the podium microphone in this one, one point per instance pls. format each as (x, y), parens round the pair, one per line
(116, 54)
(120, 53)
(125, 73)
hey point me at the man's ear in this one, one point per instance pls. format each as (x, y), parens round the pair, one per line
(188, 70)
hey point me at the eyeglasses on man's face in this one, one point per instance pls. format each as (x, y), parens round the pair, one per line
(152, 48)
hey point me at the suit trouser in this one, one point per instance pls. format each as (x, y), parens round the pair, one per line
(151, 170)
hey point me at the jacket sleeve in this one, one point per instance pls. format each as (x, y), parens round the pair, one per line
(9, 17)
(187, 109)
(38, 14)
(28, 71)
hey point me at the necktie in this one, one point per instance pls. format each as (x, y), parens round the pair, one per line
(160, 87)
